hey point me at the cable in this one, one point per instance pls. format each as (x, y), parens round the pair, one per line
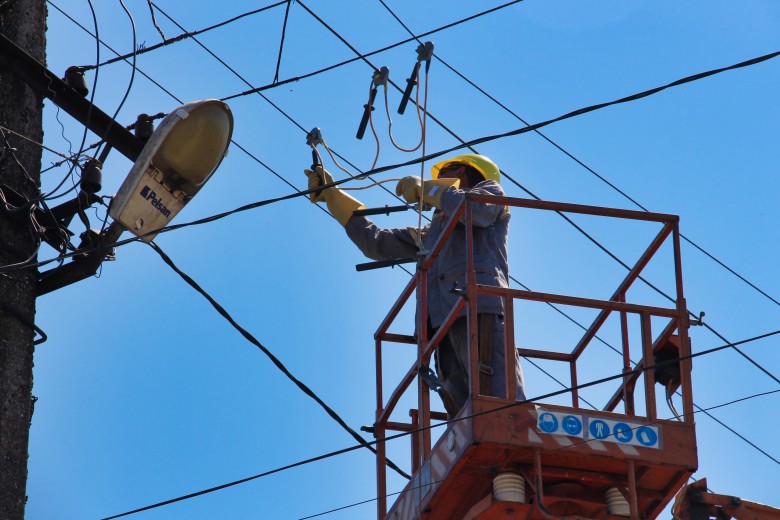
(174, 97)
(134, 57)
(178, 38)
(447, 423)
(265, 98)
(154, 21)
(526, 129)
(281, 43)
(50, 2)
(355, 504)
(440, 153)
(249, 337)
(33, 141)
(366, 55)
(519, 131)
(575, 159)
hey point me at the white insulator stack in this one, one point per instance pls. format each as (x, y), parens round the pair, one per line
(509, 487)
(617, 505)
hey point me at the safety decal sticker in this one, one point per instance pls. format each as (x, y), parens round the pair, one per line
(598, 429)
(560, 423)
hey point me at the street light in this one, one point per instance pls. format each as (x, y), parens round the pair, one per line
(180, 156)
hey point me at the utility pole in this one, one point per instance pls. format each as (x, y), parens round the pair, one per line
(23, 22)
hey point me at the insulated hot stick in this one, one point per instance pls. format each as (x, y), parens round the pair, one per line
(313, 138)
(424, 53)
(379, 78)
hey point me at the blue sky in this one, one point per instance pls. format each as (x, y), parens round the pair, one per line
(146, 393)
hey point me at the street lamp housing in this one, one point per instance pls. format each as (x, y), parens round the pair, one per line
(178, 159)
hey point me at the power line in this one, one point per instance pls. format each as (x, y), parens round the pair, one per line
(250, 338)
(245, 81)
(362, 502)
(515, 132)
(174, 97)
(281, 43)
(366, 55)
(575, 159)
(183, 36)
(447, 423)
(440, 153)
(66, 15)
(528, 128)
(578, 112)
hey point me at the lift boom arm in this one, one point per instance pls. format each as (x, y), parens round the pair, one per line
(694, 502)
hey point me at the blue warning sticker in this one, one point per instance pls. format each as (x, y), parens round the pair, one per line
(558, 423)
(599, 428)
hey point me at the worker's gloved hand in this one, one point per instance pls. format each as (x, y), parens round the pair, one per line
(319, 177)
(339, 203)
(410, 188)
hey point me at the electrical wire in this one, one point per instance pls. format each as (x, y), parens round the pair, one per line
(459, 419)
(76, 22)
(575, 159)
(154, 22)
(174, 97)
(255, 90)
(265, 98)
(32, 141)
(281, 43)
(249, 337)
(529, 128)
(133, 61)
(535, 127)
(180, 37)
(355, 504)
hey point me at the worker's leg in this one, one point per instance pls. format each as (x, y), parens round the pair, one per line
(498, 380)
(451, 364)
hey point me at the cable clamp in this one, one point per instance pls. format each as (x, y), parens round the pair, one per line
(425, 51)
(314, 137)
(381, 76)
(697, 322)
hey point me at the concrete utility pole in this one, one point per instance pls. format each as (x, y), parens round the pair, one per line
(23, 22)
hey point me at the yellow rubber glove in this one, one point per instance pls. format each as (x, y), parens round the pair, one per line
(410, 187)
(339, 203)
(318, 178)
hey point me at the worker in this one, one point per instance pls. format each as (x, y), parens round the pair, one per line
(451, 180)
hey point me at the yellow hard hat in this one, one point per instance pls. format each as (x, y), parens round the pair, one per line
(482, 164)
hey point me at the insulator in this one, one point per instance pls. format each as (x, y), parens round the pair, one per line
(92, 177)
(144, 128)
(74, 78)
(617, 505)
(509, 487)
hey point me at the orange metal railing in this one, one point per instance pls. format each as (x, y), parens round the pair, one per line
(676, 316)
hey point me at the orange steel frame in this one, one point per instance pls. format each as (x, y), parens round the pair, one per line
(420, 424)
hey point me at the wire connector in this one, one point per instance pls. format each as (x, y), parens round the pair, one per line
(314, 137)
(425, 51)
(381, 76)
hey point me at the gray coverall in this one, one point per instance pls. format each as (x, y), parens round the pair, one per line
(491, 226)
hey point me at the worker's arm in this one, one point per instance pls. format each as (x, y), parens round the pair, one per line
(379, 243)
(374, 242)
